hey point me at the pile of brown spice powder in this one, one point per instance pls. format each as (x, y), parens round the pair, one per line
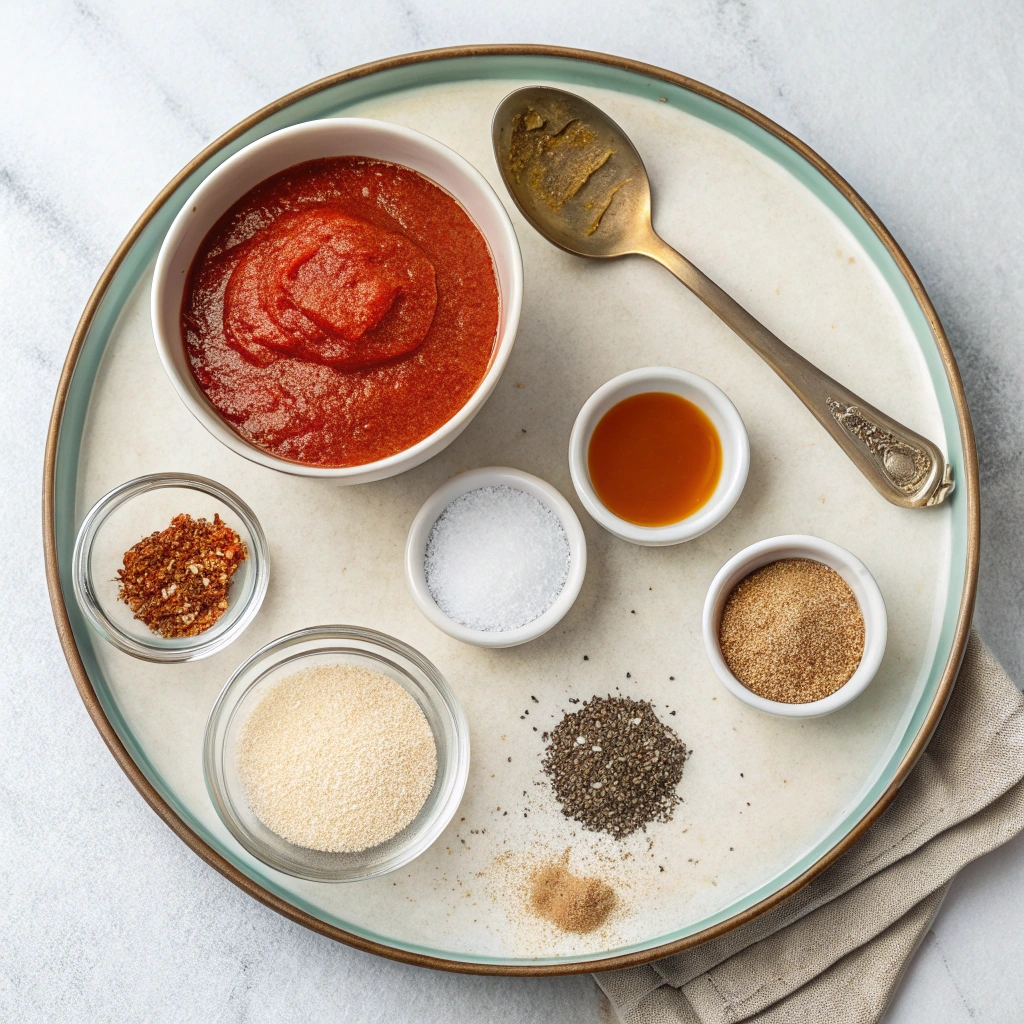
(792, 631)
(176, 580)
(569, 902)
(614, 766)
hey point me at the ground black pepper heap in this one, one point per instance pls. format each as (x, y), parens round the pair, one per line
(614, 765)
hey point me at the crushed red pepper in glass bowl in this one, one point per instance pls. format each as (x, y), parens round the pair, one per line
(185, 590)
(341, 311)
(176, 580)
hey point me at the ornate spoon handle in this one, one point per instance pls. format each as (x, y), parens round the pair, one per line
(903, 466)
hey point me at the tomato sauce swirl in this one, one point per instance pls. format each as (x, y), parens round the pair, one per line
(341, 311)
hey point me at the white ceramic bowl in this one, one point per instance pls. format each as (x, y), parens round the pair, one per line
(860, 581)
(343, 136)
(419, 532)
(716, 406)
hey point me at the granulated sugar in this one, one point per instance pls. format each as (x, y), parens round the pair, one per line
(337, 758)
(496, 559)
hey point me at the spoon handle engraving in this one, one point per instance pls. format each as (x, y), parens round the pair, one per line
(903, 466)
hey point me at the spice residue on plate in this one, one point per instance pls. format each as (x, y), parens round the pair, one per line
(570, 902)
(496, 559)
(614, 765)
(337, 758)
(792, 631)
(581, 890)
(654, 459)
(341, 311)
(176, 581)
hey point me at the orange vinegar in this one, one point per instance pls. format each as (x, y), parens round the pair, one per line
(654, 459)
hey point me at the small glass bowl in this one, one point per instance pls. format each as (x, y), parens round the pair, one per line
(133, 511)
(332, 645)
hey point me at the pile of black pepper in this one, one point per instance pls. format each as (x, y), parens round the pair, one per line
(614, 765)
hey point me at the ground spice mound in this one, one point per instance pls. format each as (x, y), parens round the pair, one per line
(569, 902)
(337, 758)
(176, 580)
(614, 766)
(792, 631)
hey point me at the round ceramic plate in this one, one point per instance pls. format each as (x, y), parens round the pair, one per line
(767, 802)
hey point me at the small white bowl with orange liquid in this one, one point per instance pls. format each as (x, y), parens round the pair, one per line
(659, 455)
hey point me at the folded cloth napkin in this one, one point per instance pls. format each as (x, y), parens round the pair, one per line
(837, 949)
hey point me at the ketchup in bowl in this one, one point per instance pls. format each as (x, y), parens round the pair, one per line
(341, 311)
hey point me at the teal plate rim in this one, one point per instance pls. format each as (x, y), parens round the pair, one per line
(329, 96)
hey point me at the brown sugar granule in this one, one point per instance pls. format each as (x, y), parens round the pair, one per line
(792, 631)
(176, 580)
(569, 902)
(614, 766)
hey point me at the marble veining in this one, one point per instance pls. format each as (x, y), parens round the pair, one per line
(108, 916)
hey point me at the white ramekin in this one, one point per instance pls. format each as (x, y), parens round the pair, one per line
(342, 136)
(493, 476)
(716, 406)
(860, 581)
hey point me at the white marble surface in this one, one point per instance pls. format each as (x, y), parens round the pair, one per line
(109, 917)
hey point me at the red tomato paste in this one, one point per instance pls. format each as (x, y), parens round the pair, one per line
(341, 311)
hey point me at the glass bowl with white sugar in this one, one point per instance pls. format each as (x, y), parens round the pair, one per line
(336, 754)
(495, 557)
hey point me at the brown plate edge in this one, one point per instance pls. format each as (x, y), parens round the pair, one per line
(197, 845)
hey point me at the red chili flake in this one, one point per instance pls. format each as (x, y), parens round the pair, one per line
(176, 580)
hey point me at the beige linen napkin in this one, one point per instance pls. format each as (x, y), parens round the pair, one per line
(837, 949)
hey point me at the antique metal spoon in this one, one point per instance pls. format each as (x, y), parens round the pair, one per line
(578, 180)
